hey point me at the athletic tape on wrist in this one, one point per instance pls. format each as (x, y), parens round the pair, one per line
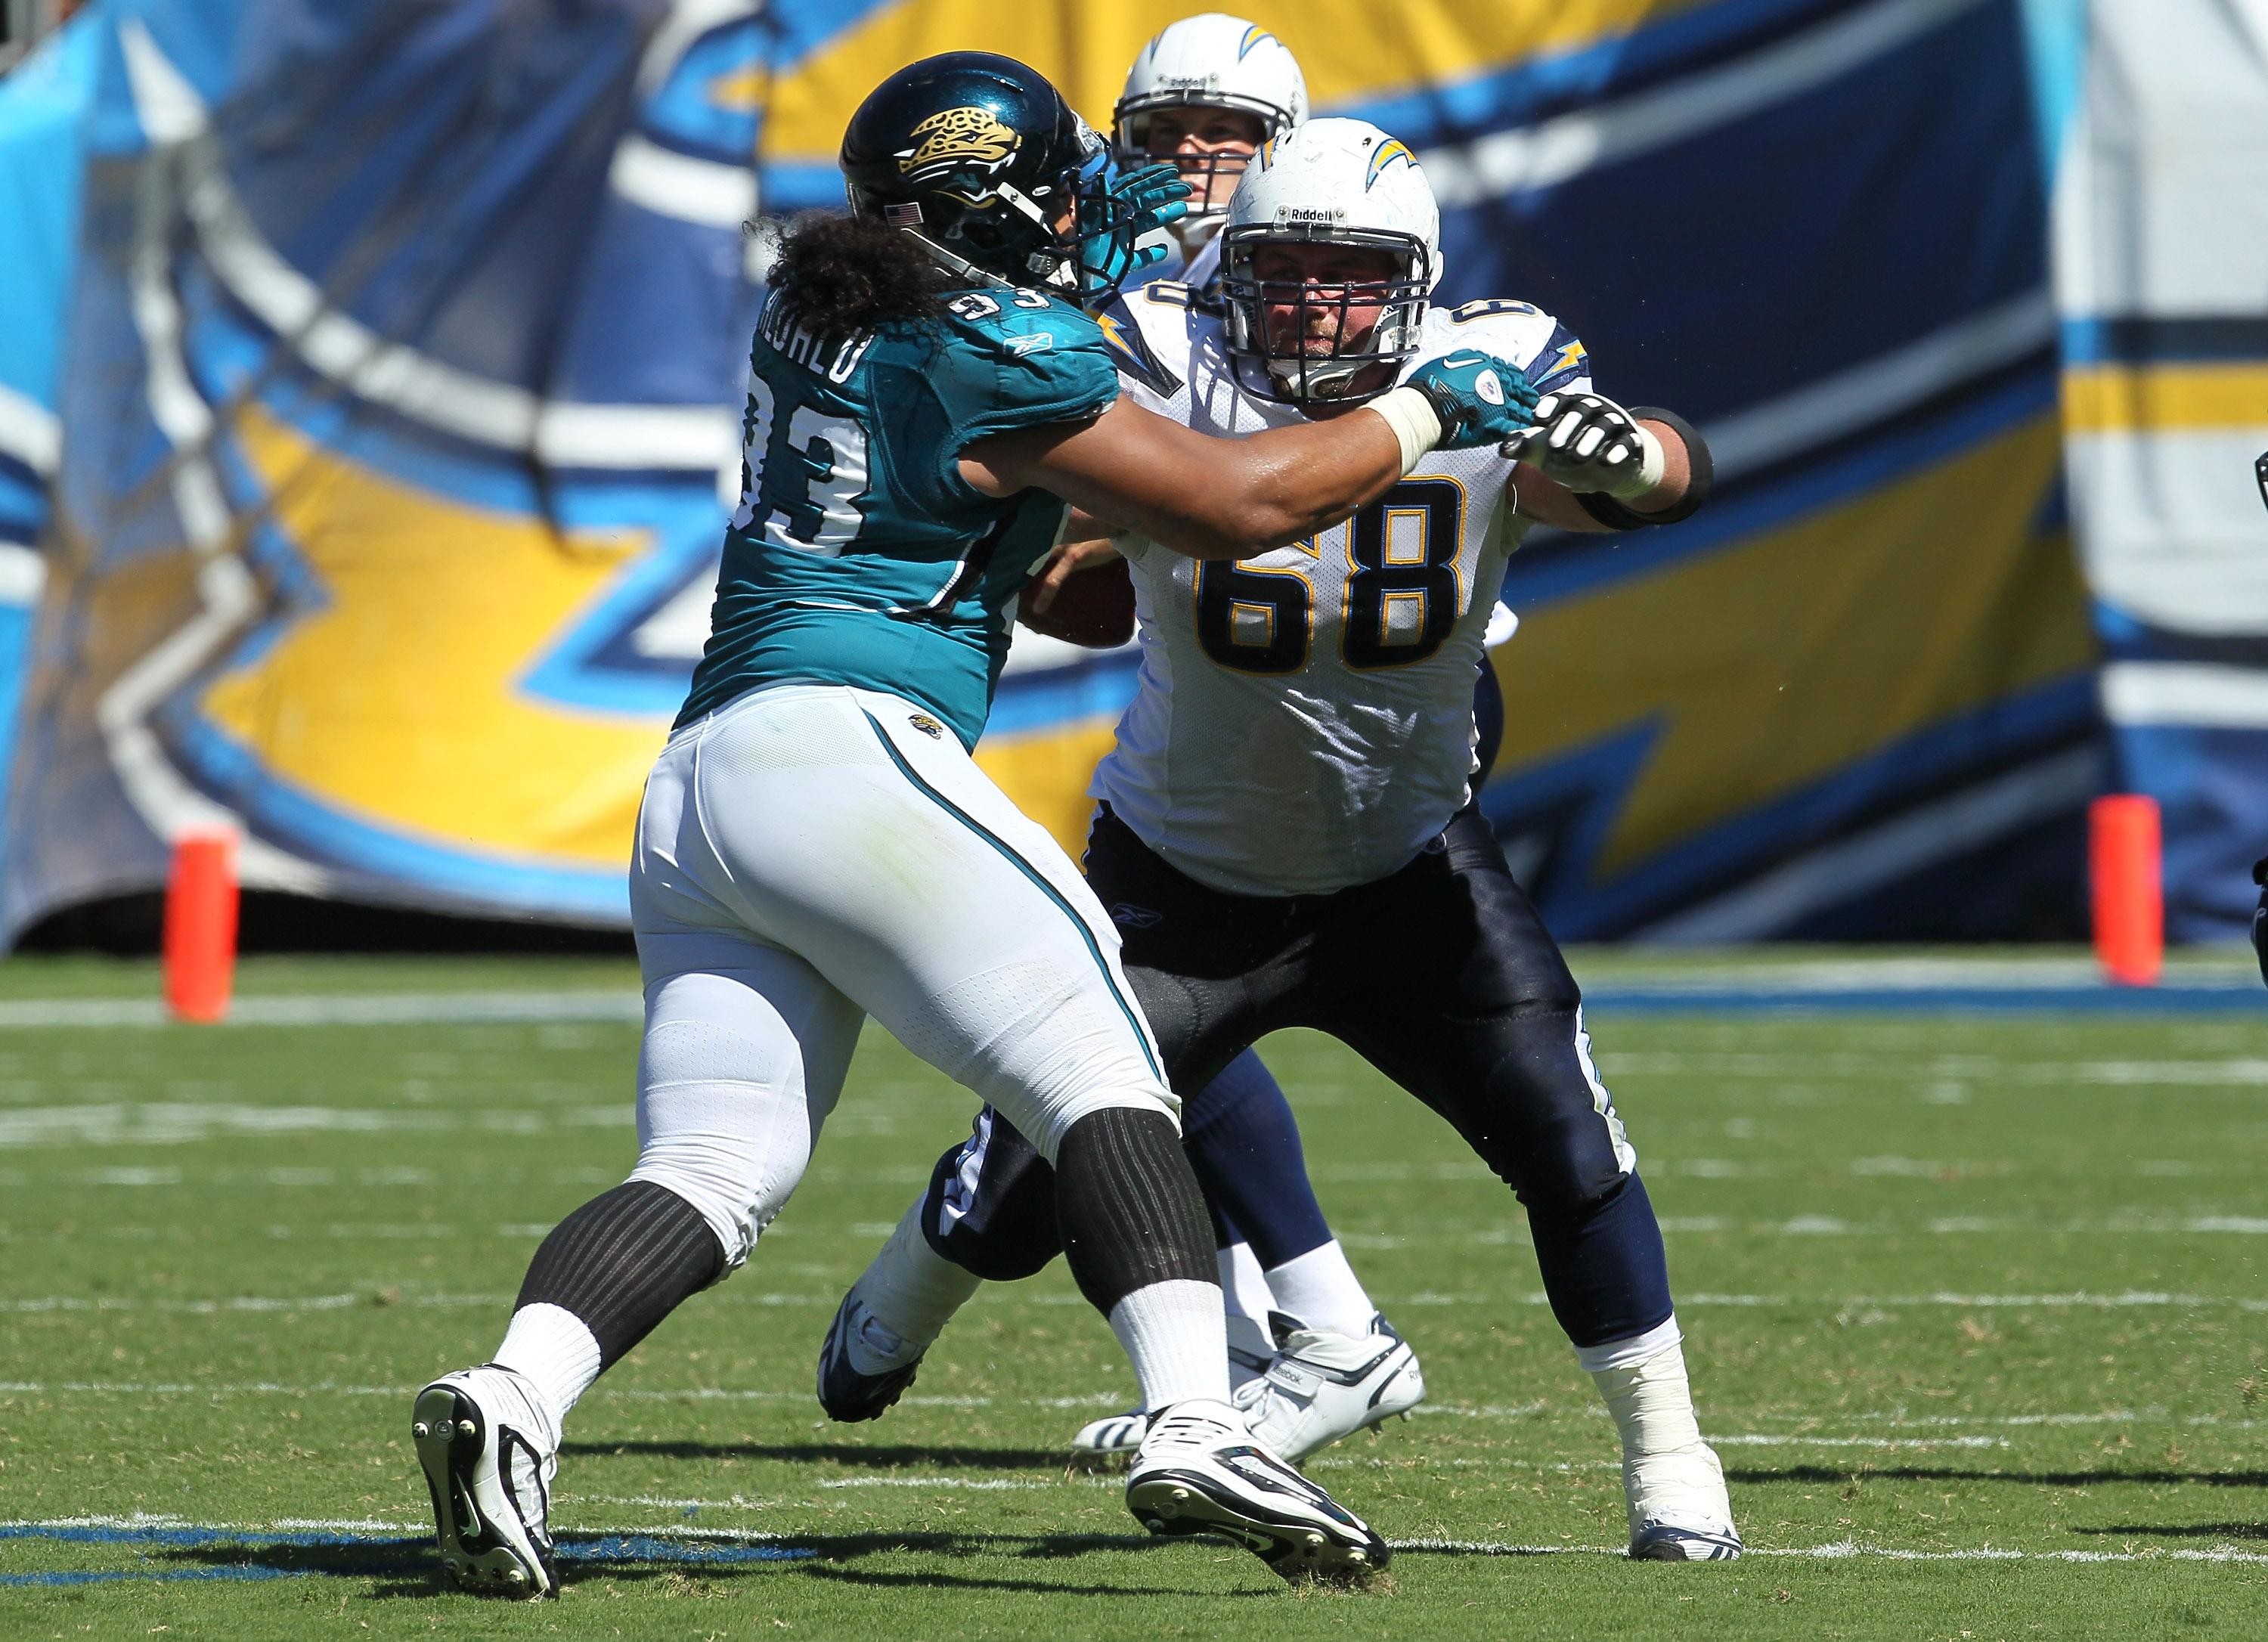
(1700, 479)
(1653, 461)
(1416, 425)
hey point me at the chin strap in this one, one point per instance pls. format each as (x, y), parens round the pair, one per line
(959, 267)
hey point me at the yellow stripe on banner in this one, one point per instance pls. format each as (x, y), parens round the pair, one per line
(397, 702)
(1045, 773)
(1797, 653)
(2164, 398)
(1346, 51)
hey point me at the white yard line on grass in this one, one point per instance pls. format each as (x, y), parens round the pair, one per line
(338, 1009)
(736, 1503)
(988, 1485)
(1841, 1549)
(173, 1123)
(1101, 1399)
(1838, 1550)
(2077, 1300)
(380, 1298)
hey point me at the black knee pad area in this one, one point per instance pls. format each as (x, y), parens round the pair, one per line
(1003, 1229)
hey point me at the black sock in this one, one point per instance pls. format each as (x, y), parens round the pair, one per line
(623, 1262)
(1128, 1206)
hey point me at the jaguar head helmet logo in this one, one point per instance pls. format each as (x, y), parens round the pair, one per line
(958, 139)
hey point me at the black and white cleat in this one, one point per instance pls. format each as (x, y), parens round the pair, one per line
(1199, 1471)
(1108, 1443)
(1668, 1542)
(846, 1392)
(490, 1483)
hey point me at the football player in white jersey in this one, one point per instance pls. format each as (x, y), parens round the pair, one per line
(1206, 94)
(1286, 834)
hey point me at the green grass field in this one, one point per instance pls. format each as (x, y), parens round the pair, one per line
(1973, 1303)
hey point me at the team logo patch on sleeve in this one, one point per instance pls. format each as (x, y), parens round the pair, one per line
(1132, 353)
(958, 139)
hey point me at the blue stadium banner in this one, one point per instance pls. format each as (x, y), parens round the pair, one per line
(400, 365)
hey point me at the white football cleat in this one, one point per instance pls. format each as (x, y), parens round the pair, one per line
(1324, 1386)
(1667, 1542)
(1113, 1439)
(1679, 1510)
(1199, 1471)
(489, 1463)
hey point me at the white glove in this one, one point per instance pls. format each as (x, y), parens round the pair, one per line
(1587, 442)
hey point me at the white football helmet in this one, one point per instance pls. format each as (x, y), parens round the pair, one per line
(1336, 182)
(1208, 62)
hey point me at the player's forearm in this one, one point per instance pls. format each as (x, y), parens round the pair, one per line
(1207, 498)
(1278, 486)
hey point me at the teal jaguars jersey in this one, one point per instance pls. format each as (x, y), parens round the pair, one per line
(858, 554)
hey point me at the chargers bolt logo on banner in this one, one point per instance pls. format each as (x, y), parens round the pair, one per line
(958, 139)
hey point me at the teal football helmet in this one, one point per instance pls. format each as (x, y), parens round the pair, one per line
(980, 158)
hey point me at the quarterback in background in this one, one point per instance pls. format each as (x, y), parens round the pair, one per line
(1204, 95)
(1287, 835)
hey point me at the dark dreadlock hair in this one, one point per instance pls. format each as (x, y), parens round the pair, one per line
(841, 274)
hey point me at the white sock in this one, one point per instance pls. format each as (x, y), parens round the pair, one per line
(1247, 1298)
(1175, 1334)
(910, 1294)
(1322, 1290)
(549, 1348)
(1669, 1474)
(1630, 1352)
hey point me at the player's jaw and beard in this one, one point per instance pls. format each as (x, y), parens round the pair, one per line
(1314, 330)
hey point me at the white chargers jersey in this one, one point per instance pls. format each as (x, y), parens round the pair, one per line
(1304, 721)
(1200, 272)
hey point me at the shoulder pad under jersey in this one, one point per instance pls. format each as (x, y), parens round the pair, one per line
(1012, 359)
(1545, 351)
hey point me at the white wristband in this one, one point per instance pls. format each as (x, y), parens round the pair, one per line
(1653, 461)
(1414, 421)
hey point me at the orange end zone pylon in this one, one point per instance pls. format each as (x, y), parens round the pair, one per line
(2129, 889)
(201, 926)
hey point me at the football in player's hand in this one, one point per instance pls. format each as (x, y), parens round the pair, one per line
(1092, 608)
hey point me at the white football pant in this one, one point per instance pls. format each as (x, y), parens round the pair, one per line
(809, 855)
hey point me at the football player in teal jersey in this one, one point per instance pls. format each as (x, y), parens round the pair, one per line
(817, 846)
